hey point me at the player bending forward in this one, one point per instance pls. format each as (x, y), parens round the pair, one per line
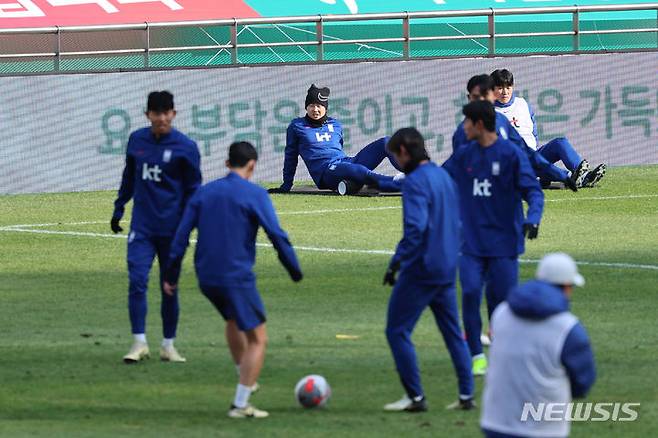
(227, 213)
(319, 140)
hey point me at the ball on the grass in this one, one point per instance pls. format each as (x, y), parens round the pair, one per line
(312, 391)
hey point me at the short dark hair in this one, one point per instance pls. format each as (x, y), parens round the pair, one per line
(413, 142)
(502, 78)
(240, 153)
(483, 82)
(481, 110)
(160, 101)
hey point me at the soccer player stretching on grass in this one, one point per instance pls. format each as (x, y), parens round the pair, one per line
(481, 87)
(161, 174)
(427, 259)
(520, 114)
(227, 213)
(319, 140)
(492, 177)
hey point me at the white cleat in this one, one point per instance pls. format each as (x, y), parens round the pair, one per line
(139, 351)
(247, 412)
(399, 176)
(399, 405)
(169, 354)
(485, 340)
(254, 388)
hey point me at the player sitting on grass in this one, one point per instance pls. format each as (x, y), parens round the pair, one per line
(519, 112)
(227, 213)
(319, 140)
(481, 87)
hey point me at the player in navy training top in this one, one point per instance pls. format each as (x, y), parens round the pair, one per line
(492, 177)
(161, 175)
(227, 213)
(319, 140)
(427, 259)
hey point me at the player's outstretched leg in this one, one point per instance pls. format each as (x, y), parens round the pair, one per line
(560, 149)
(373, 154)
(358, 175)
(141, 253)
(446, 315)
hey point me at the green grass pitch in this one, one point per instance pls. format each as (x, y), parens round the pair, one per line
(64, 321)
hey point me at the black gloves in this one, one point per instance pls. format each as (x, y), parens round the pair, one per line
(531, 230)
(114, 224)
(296, 276)
(389, 277)
(571, 184)
(278, 190)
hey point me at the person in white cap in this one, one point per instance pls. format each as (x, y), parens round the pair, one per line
(540, 356)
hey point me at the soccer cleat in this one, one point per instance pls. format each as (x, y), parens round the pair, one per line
(479, 365)
(418, 404)
(170, 354)
(254, 388)
(485, 340)
(247, 412)
(399, 176)
(579, 173)
(462, 404)
(139, 351)
(594, 176)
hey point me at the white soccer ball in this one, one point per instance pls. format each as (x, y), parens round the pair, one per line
(312, 391)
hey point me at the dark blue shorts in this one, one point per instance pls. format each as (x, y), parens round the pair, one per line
(239, 303)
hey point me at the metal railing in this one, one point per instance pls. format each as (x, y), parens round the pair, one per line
(147, 49)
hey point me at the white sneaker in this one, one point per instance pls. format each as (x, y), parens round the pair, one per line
(485, 340)
(170, 354)
(139, 351)
(247, 412)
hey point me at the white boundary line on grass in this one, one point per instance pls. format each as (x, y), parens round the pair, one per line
(313, 248)
(336, 210)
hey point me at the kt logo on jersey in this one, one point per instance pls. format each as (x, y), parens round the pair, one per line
(151, 173)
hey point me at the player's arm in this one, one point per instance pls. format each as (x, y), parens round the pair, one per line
(291, 156)
(415, 219)
(578, 360)
(126, 191)
(191, 173)
(179, 244)
(526, 183)
(267, 219)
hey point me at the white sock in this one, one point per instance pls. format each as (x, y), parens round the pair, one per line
(242, 394)
(140, 337)
(479, 356)
(237, 369)
(167, 342)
